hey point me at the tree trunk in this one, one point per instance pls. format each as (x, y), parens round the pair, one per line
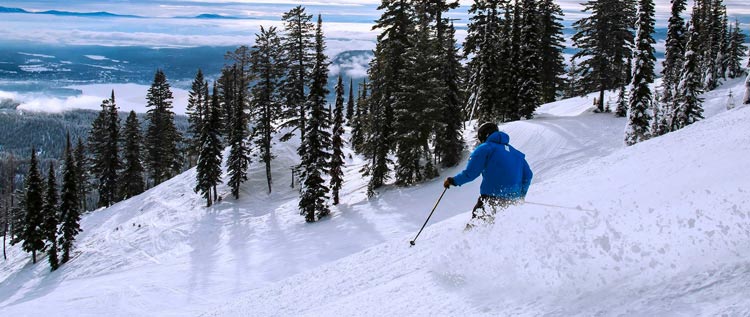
(600, 105)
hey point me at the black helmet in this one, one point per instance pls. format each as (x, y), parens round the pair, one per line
(485, 130)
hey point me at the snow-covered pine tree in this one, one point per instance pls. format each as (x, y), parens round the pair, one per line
(449, 142)
(604, 40)
(132, 182)
(571, 80)
(621, 109)
(639, 118)
(713, 31)
(82, 174)
(350, 104)
(552, 43)
(736, 52)
(226, 85)
(268, 67)
(317, 142)
(487, 93)
(299, 46)
(447, 117)
(746, 100)
(387, 72)
(33, 236)
(50, 218)
(337, 142)
(238, 160)
(70, 208)
(689, 105)
(359, 126)
(419, 93)
(10, 219)
(726, 37)
(674, 51)
(163, 156)
(529, 88)
(208, 169)
(195, 113)
(659, 122)
(103, 142)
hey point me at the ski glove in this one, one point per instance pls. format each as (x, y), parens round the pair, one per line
(448, 182)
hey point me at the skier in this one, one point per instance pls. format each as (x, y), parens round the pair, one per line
(506, 175)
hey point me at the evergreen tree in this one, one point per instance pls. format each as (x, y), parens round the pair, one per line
(660, 123)
(448, 141)
(433, 82)
(132, 182)
(267, 64)
(643, 76)
(103, 142)
(209, 160)
(486, 36)
(419, 93)
(238, 160)
(572, 79)
(360, 120)
(317, 140)
(689, 105)
(604, 40)
(350, 104)
(736, 52)
(529, 59)
(552, 43)
(746, 100)
(387, 71)
(82, 174)
(622, 103)
(197, 98)
(163, 157)
(713, 28)
(337, 141)
(70, 208)
(674, 51)
(33, 235)
(299, 46)
(235, 86)
(50, 220)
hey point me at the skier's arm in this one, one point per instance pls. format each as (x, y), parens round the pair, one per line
(475, 167)
(526, 179)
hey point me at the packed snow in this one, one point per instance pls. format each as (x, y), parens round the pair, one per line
(659, 228)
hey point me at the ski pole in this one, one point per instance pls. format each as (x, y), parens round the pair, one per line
(428, 217)
(556, 206)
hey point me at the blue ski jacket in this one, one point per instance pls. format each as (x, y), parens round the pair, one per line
(505, 172)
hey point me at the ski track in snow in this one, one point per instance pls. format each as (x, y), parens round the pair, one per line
(667, 237)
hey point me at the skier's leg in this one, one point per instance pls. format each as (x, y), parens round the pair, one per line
(478, 209)
(476, 214)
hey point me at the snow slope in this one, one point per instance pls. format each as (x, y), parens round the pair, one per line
(163, 253)
(657, 229)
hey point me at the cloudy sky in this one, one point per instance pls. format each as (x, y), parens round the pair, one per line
(348, 22)
(170, 23)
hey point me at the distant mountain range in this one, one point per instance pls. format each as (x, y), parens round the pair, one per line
(114, 15)
(67, 13)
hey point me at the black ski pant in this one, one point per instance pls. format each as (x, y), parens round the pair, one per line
(487, 206)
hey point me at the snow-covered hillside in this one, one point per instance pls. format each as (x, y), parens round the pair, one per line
(656, 229)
